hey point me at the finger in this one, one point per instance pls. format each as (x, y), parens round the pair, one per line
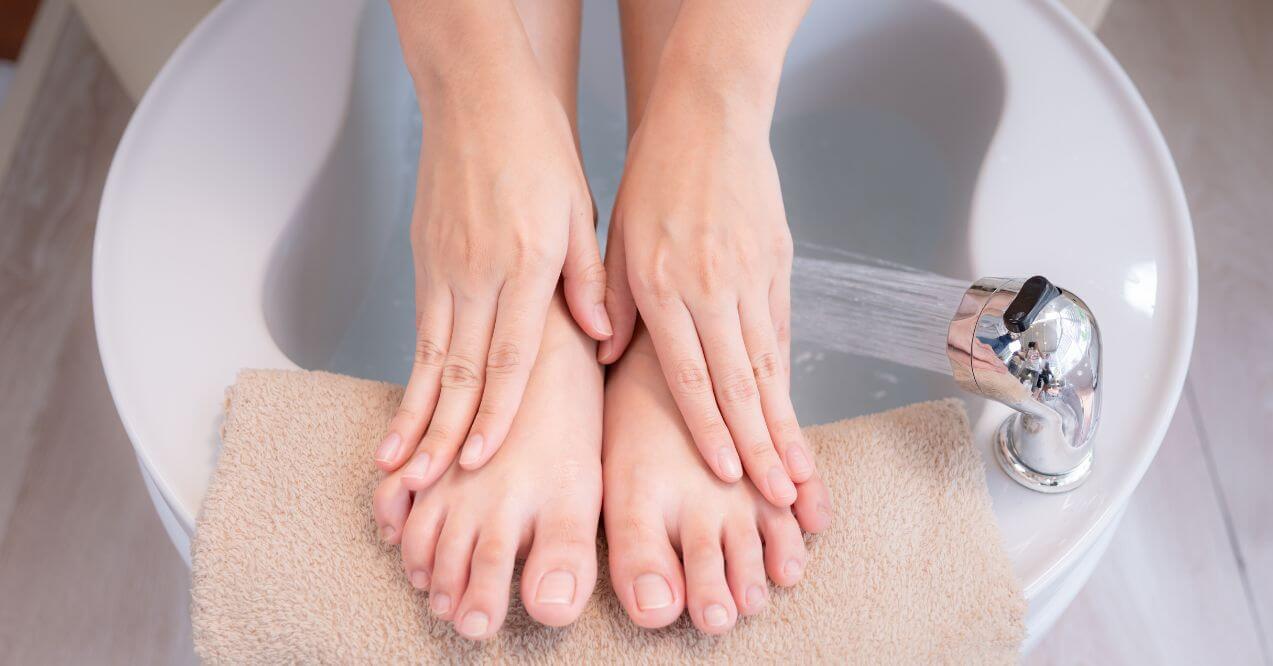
(761, 340)
(619, 302)
(433, 332)
(780, 315)
(519, 327)
(685, 370)
(739, 400)
(462, 378)
(584, 277)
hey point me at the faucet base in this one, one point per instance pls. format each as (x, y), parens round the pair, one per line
(1010, 461)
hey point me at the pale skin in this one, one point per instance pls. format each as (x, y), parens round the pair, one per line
(683, 535)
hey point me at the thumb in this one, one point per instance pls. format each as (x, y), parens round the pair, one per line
(585, 279)
(619, 302)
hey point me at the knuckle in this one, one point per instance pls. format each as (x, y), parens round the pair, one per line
(460, 373)
(593, 275)
(783, 248)
(707, 274)
(691, 378)
(700, 546)
(765, 366)
(789, 431)
(738, 387)
(504, 358)
(438, 434)
(492, 552)
(429, 353)
(761, 449)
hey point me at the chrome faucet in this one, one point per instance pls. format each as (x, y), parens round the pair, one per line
(1036, 348)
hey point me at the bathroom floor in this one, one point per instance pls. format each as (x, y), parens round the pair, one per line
(86, 573)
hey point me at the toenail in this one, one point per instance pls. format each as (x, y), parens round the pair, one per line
(440, 603)
(419, 580)
(386, 532)
(792, 569)
(728, 462)
(798, 461)
(652, 592)
(475, 624)
(755, 597)
(388, 449)
(556, 587)
(472, 450)
(780, 485)
(418, 467)
(716, 616)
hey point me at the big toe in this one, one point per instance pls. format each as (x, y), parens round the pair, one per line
(561, 569)
(644, 568)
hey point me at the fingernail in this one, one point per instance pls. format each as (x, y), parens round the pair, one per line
(419, 580)
(728, 461)
(755, 597)
(472, 450)
(780, 485)
(475, 623)
(603, 350)
(824, 510)
(792, 569)
(602, 320)
(386, 532)
(440, 603)
(556, 587)
(388, 449)
(798, 462)
(652, 592)
(716, 616)
(418, 466)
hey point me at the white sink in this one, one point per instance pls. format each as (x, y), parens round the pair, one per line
(256, 210)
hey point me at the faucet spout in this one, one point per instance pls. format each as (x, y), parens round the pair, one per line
(1036, 348)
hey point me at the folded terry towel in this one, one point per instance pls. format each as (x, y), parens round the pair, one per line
(287, 566)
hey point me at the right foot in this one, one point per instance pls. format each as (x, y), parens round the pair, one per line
(664, 506)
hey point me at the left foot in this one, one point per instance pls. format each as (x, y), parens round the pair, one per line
(539, 497)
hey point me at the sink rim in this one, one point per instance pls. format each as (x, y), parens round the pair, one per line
(114, 219)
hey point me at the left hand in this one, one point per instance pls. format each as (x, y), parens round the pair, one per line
(699, 245)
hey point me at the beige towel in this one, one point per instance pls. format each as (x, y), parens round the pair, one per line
(287, 566)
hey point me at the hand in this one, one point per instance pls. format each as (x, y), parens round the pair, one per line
(699, 244)
(502, 212)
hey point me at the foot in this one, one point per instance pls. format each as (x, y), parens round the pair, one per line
(679, 537)
(539, 498)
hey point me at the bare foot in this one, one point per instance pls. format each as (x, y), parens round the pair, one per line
(661, 500)
(539, 498)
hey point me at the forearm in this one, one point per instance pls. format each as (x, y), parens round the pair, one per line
(730, 52)
(463, 51)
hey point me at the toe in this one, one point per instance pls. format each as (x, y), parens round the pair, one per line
(561, 569)
(784, 547)
(420, 540)
(813, 505)
(644, 568)
(390, 504)
(745, 567)
(484, 604)
(707, 593)
(451, 566)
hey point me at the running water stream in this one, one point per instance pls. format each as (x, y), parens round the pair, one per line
(856, 304)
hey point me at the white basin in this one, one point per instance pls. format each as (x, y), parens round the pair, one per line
(256, 210)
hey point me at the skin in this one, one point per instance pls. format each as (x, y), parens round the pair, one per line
(538, 501)
(699, 244)
(680, 538)
(502, 214)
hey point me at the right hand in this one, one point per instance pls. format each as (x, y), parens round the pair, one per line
(502, 212)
